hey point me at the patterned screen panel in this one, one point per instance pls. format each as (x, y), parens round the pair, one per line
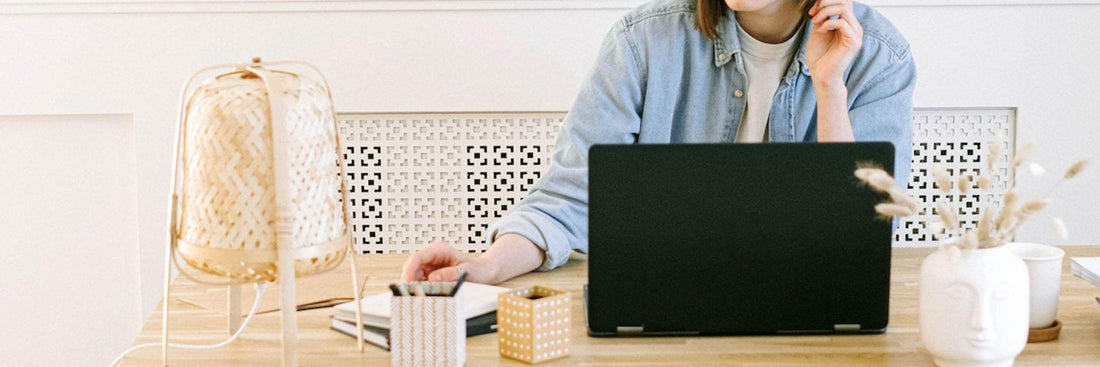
(422, 177)
(957, 140)
(418, 178)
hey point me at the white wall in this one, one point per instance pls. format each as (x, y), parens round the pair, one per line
(130, 57)
(69, 284)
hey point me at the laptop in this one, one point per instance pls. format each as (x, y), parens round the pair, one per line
(728, 239)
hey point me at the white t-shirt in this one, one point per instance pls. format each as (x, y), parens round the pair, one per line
(765, 65)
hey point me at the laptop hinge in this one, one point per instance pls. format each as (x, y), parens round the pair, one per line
(846, 328)
(629, 330)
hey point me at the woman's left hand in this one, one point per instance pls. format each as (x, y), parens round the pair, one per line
(828, 52)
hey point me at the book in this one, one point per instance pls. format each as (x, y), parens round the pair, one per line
(479, 304)
(1087, 268)
(480, 325)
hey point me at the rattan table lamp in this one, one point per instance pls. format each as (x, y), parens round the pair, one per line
(258, 192)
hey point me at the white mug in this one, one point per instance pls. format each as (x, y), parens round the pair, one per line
(1044, 266)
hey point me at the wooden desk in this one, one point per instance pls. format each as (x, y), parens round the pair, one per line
(900, 345)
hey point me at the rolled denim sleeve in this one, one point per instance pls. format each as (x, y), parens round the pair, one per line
(554, 215)
(882, 110)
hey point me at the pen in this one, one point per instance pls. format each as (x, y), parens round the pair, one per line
(458, 283)
(418, 291)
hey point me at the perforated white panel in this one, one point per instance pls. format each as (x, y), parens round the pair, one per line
(957, 140)
(418, 178)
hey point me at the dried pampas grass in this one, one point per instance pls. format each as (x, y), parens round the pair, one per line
(985, 228)
(897, 196)
(1060, 228)
(1076, 169)
(1010, 198)
(985, 182)
(1034, 206)
(880, 181)
(1023, 153)
(864, 173)
(995, 226)
(994, 154)
(888, 210)
(969, 241)
(942, 178)
(948, 216)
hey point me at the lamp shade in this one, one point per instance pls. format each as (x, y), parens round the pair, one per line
(260, 172)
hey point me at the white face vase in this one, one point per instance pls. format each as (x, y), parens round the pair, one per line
(974, 306)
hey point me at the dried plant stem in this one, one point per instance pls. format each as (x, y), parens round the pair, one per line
(889, 210)
(985, 228)
(1023, 153)
(964, 184)
(942, 178)
(1075, 169)
(948, 216)
(994, 153)
(898, 196)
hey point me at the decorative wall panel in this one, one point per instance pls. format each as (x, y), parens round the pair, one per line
(421, 177)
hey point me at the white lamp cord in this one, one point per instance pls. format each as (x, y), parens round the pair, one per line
(260, 287)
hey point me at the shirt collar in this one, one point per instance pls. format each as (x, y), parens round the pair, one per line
(727, 45)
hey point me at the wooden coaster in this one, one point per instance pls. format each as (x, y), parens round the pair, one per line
(1045, 334)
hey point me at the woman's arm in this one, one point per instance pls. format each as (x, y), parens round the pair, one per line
(552, 221)
(830, 49)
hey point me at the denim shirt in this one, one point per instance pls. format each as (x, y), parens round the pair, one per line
(660, 80)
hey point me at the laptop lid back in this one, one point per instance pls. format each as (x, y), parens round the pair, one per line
(736, 239)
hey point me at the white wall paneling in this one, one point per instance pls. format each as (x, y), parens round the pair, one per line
(1037, 56)
(69, 283)
(253, 6)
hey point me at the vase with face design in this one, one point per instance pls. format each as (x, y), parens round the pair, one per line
(973, 306)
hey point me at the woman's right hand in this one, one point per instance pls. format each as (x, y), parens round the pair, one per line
(439, 262)
(510, 256)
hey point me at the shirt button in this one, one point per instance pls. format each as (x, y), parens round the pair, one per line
(722, 57)
(738, 93)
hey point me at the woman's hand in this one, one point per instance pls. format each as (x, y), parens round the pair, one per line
(510, 256)
(833, 42)
(440, 262)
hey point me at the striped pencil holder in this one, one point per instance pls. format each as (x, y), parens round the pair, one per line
(428, 330)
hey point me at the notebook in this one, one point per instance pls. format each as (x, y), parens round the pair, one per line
(479, 325)
(477, 300)
(1087, 268)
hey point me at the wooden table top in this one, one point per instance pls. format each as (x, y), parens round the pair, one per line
(318, 345)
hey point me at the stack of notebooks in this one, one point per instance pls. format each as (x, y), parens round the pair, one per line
(1087, 268)
(479, 304)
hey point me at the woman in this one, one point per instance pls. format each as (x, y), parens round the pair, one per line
(686, 71)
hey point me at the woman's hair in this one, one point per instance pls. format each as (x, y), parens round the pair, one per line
(709, 12)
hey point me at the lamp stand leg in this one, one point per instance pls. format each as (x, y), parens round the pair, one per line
(164, 304)
(288, 307)
(355, 295)
(235, 308)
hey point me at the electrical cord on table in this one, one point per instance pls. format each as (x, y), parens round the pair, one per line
(260, 287)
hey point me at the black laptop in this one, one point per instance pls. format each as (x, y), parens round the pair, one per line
(720, 239)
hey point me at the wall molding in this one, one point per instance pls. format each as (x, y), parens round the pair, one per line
(31, 7)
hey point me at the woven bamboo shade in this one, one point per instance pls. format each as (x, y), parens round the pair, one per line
(258, 194)
(230, 218)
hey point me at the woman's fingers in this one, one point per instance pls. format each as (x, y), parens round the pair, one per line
(841, 11)
(447, 274)
(434, 256)
(842, 27)
(813, 9)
